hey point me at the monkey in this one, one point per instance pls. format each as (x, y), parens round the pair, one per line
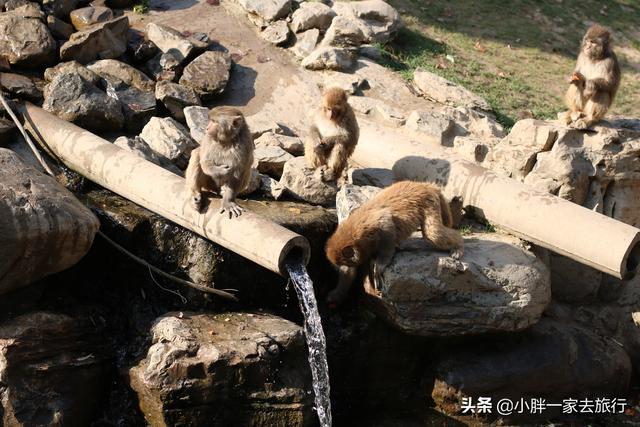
(333, 135)
(222, 163)
(373, 231)
(594, 82)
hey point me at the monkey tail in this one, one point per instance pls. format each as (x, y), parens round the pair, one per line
(434, 228)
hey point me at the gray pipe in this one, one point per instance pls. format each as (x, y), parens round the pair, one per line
(252, 236)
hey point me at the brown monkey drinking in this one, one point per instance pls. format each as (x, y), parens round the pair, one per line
(333, 135)
(373, 231)
(594, 82)
(222, 163)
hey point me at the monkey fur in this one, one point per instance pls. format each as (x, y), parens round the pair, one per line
(222, 163)
(594, 82)
(333, 135)
(373, 231)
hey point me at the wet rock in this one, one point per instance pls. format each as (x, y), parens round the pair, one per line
(235, 368)
(378, 21)
(276, 33)
(264, 11)
(26, 42)
(71, 67)
(270, 160)
(56, 359)
(312, 15)
(140, 148)
(138, 106)
(169, 40)
(101, 41)
(553, 360)
(436, 125)
(112, 68)
(270, 187)
(20, 86)
(208, 74)
(496, 286)
(305, 43)
(72, 98)
(59, 29)
(170, 139)
(445, 92)
(176, 97)
(343, 32)
(86, 17)
(38, 217)
(329, 58)
(59, 8)
(197, 119)
(291, 144)
(302, 183)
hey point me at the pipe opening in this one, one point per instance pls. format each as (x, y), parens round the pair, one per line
(296, 255)
(633, 260)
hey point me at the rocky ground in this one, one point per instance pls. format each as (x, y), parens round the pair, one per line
(102, 341)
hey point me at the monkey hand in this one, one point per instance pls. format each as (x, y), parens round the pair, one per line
(456, 253)
(576, 77)
(232, 208)
(326, 174)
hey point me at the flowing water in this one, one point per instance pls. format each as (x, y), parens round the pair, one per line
(315, 339)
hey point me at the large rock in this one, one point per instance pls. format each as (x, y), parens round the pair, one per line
(44, 229)
(329, 58)
(86, 17)
(169, 40)
(101, 41)
(276, 33)
(20, 86)
(165, 66)
(138, 106)
(496, 286)
(343, 32)
(72, 98)
(59, 29)
(26, 42)
(234, 368)
(291, 144)
(176, 97)
(71, 67)
(554, 360)
(59, 8)
(270, 160)
(302, 183)
(378, 21)
(305, 43)
(170, 139)
(56, 359)
(208, 74)
(112, 69)
(312, 15)
(140, 148)
(264, 11)
(445, 92)
(197, 119)
(438, 126)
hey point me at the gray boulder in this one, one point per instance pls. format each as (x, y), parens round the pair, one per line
(330, 58)
(443, 91)
(170, 139)
(101, 41)
(265, 11)
(270, 160)
(305, 43)
(165, 66)
(72, 98)
(343, 32)
(235, 368)
(20, 86)
(377, 19)
(26, 42)
(114, 69)
(86, 17)
(71, 67)
(140, 148)
(176, 97)
(276, 33)
(291, 144)
(38, 218)
(138, 106)
(302, 183)
(208, 74)
(170, 40)
(312, 15)
(433, 124)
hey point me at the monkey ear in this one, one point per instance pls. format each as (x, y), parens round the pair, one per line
(237, 121)
(348, 252)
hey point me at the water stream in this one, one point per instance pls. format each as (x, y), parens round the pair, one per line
(315, 339)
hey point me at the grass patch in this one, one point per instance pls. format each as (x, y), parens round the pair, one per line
(142, 7)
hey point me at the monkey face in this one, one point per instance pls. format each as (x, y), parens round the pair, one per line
(225, 128)
(333, 113)
(349, 256)
(594, 47)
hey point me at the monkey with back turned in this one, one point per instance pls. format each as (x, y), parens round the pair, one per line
(222, 163)
(333, 135)
(594, 82)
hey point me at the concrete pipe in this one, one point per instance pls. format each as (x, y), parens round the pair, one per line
(541, 218)
(263, 242)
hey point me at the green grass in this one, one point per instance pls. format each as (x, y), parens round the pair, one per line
(515, 54)
(142, 7)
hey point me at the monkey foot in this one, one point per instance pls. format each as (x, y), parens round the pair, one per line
(197, 203)
(580, 124)
(456, 254)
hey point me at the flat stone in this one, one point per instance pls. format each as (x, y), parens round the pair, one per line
(176, 97)
(270, 160)
(305, 43)
(197, 119)
(26, 42)
(20, 86)
(112, 68)
(170, 139)
(445, 92)
(101, 41)
(38, 217)
(329, 58)
(71, 67)
(59, 29)
(312, 15)
(276, 33)
(208, 74)
(291, 144)
(170, 40)
(86, 17)
(75, 99)
(301, 183)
